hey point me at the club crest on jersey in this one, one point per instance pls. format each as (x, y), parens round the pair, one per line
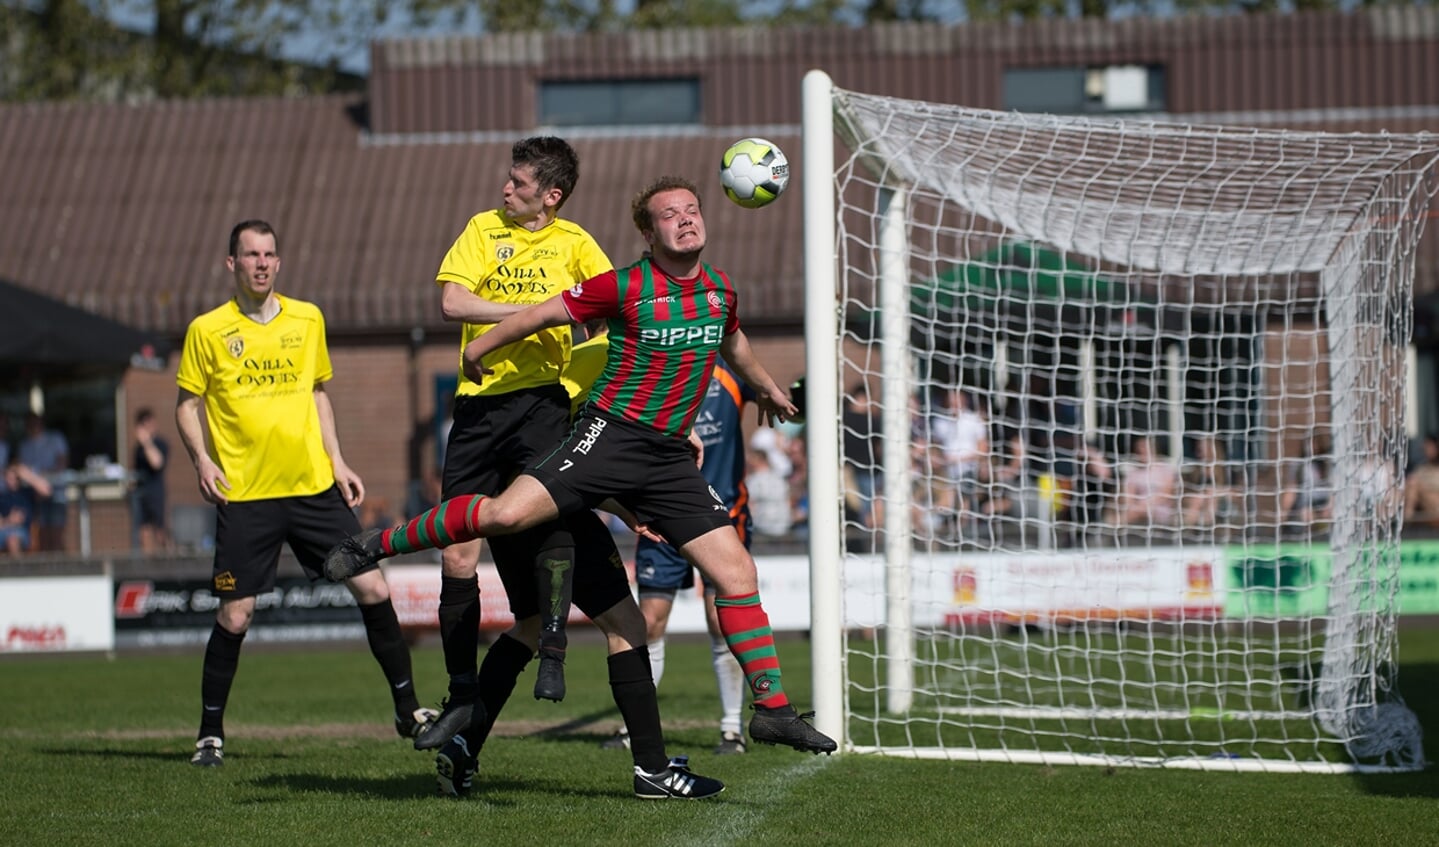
(714, 299)
(236, 346)
(577, 291)
(504, 251)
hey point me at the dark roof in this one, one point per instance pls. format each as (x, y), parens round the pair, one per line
(43, 335)
(125, 210)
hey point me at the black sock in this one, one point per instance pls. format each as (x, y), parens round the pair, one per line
(504, 662)
(555, 584)
(460, 632)
(222, 657)
(634, 692)
(387, 645)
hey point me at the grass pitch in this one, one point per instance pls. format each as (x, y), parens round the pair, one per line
(95, 750)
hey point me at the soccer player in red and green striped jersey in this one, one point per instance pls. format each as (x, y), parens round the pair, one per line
(669, 316)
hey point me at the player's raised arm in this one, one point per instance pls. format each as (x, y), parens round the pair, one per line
(522, 324)
(774, 404)
(461, 305)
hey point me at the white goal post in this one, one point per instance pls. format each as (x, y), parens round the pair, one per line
(1106, 435)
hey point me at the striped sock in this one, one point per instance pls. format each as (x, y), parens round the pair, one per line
(746, 630)
(451, 522)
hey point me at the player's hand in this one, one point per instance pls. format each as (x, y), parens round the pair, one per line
(474, 367)
(643, 531)
(352, 488)
(213, 483)
(775, 406)
(697, 447)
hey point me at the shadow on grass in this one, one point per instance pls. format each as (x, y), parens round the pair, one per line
(497, 790)
(180, 755)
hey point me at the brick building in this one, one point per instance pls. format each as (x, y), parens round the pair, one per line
(123, 209)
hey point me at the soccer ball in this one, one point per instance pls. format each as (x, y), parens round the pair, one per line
(753, 172)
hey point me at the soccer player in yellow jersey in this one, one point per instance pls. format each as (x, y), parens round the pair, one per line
(266, 454)
(505, 260)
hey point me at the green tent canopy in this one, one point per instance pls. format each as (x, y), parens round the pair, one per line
(1016, 272)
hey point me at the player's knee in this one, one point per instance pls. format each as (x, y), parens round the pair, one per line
(502, 518)
(623, 621)
(460, 561)
(369, 588)
(235, 619)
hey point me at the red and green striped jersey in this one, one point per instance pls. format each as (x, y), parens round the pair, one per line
(665, 335)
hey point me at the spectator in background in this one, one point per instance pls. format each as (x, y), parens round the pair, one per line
(769, 502)
(773, 443)
(963, 435)
(934, 506)
(46, 452)
(1208, 485)
(863, 450)
(1002, 480)
(1149, 489)
(1421, 487)
(17, 504)
(4, 440)
(152, 454)
(1378, 488)
(798, 481)
(1306, 492)
(1080, 477)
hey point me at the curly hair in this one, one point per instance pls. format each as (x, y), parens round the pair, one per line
(640, 207)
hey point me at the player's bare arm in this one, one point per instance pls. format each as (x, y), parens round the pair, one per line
(461, 305)
(526, 322)
(774, 404)
(351, 486)
(213, 483)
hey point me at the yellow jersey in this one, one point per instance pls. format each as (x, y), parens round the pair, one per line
(503, 262)
(258, 381)
(587, 362)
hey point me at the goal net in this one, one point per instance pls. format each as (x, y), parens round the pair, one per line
(1107, 435)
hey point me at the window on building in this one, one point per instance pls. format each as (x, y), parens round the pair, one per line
(627, 102)
(1085, 90)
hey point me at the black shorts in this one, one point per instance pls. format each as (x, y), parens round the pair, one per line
(248, 536)
(600, 576)
(493, 438)
(654, 475)
(150, 506)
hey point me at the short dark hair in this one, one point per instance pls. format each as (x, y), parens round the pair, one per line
(144, 415)
(555, 162)
(252, 225)
(640, 207)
